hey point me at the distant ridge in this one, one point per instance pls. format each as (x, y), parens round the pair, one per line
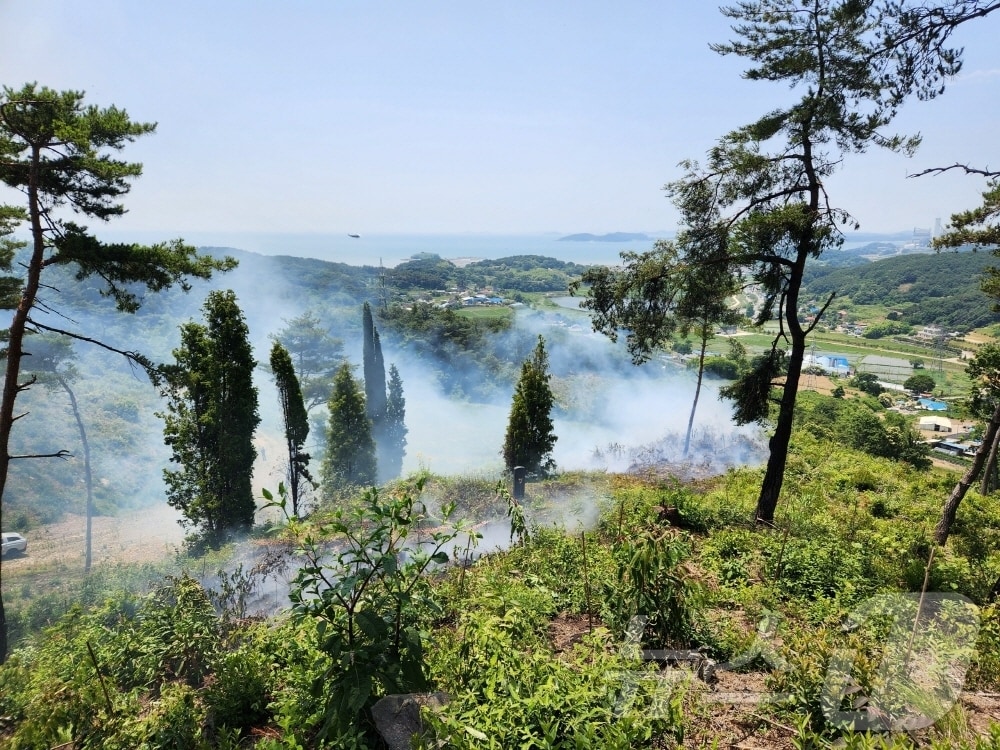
(612, 237)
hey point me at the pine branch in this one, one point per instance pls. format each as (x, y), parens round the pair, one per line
(964, 167)
(153, 371)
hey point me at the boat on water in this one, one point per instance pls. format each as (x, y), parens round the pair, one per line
(355, 236)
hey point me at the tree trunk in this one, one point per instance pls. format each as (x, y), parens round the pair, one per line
(807, 241)
(293, 472)
(989, 483)
(697, 388)
(950, 508)
(15, 339)
(774, 475)
(88, 476)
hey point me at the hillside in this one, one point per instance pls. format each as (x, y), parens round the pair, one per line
(449, 360)
(667, 620)
(941, 289)
(531, 627)
(453, 360)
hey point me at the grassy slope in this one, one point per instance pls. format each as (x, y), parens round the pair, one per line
(533, 638)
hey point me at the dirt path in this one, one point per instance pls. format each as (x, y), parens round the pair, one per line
(140, 536)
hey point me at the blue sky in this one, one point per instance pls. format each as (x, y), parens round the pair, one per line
(435, 116)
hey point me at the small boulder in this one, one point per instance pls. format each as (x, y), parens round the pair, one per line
(397, 717)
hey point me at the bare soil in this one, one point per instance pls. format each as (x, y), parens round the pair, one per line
(139, 536)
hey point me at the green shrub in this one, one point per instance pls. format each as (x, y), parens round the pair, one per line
(367, 599)
(173, 723)
(736, 556)
(243, 682)
(175, 635)
(814, 568)
(503, 696)
(654, 583)
(984, 673)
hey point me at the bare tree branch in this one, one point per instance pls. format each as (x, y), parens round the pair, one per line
(58, 454)
(819, 315)
(964, 167)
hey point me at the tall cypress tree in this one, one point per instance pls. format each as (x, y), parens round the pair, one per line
(211, 416)
(388, 450)
(530, 436)
(395, 428)
(350, 450)
(374, 369)
(296, 421)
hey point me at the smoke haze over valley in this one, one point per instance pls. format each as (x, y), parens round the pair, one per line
(609, 415)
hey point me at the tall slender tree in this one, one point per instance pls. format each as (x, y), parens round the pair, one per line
(350, 450)
(760, 205)
(374, 369)
(52, 362)
(395, 427)
(211, 416)
(389, 440)
(296, 422)
(530, 436)
(59, 153)
(656, 295)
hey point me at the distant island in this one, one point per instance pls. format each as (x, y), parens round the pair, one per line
(612, 237)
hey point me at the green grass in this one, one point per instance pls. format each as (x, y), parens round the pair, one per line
(848, 527)
(953, 383)
(491, 312)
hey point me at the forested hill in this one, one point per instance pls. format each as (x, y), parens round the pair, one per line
(517, 273)
(427, 271)
(468, 356)
(941, 289)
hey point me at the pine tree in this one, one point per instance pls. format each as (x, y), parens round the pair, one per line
(296, 422)
(58, 153)
(530, 437)
(758, 208)
(657, 294)
(395, 427)
(315, 354)
(350, 450)
(211, 416)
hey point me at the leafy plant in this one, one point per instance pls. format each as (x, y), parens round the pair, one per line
(505, 695)
(654, 582)
(364, 586)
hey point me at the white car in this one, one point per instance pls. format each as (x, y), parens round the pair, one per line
(11, 542)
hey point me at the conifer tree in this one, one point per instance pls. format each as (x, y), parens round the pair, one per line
(211, 416)
(59, 153)
(315, 354)
(758, 208)
(389, 440)
(296, 422)
(395, 427)
(655, 295)
(374, 369)
(350, 450)
(530, 437)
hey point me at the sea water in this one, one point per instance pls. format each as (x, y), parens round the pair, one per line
(391, 249)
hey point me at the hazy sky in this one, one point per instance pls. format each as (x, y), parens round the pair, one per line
(446, 116)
